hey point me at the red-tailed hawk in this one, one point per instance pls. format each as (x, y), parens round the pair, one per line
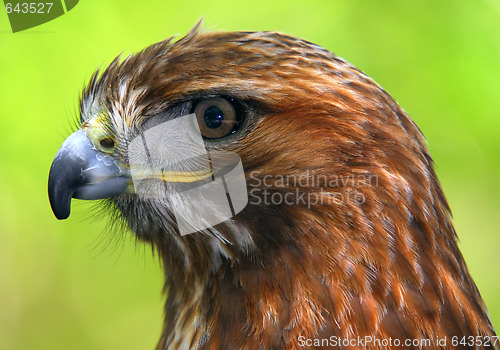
(343, 238)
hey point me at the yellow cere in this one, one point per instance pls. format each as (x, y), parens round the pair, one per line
(100, 132)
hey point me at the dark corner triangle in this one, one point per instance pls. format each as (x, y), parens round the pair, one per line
(70, 4)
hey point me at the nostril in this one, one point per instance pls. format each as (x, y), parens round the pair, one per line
(107, 143)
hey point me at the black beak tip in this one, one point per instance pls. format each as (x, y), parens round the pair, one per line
(60, 199)
(61, 213)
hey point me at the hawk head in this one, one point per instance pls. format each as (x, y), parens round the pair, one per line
(341, 229)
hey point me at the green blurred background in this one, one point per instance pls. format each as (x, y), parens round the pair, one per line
(70, 285)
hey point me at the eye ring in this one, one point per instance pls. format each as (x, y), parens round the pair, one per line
(217, 117)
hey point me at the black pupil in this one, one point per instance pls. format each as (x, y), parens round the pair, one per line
(213, 117)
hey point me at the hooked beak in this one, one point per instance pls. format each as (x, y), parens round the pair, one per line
(80, 171)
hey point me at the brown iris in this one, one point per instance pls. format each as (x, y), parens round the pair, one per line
(217, 117)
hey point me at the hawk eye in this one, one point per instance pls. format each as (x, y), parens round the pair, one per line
(217, 117)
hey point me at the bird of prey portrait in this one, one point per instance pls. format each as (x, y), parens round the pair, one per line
(338, 234)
